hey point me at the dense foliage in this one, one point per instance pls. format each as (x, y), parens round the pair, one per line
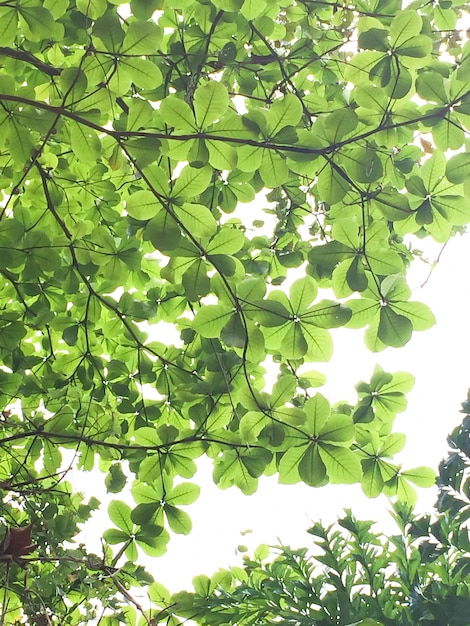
(164, 165)
(357, 577)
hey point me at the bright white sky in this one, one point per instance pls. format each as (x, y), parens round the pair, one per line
(282, 513)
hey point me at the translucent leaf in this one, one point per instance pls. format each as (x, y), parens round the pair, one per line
(143, 205)
(273, 169)
(405, 25)
(458, 168)
(416, 47)
(251, 424)
(234, 333)
(85, 142)
(191, 182)
(285, 111)
(120, 514)
(392, 205)
(332, 185)
(152, 545)
(221, 156)
(92, 8)
(8, 25)
(342, 465)
(340, 123)
(184, 493)
(143, 72)
(420, 476)
(312, 469)
(339, 429)
(418, 313)
(252, 8)
(141, 37)
(210, 320)
(326, 314)
(430, 86)
(318, 411)
(293, 344)
(163, 231)
(210, 103)
(269, 313)
(302, 293)
(147, 436)
(320, 344)
(178, 520)
(249, 158)
(114, 536)
(315, 379)
(197, 219)
(393, 444)
(177, 113)
(283, 390)
(289, 465)
(372, 481)
(394, 329)
(226, 241)
(433, 170)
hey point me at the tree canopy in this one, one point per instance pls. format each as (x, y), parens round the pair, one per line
(195, 194)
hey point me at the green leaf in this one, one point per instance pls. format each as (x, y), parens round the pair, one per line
(418, 313)
(302, 293)
(420, 476)
(394, 329)
(339, 429)
(221, 157)
(92, 8)
(430, 86)
(332, 184)
(293, 344)
(152, 545)
(141, 38)
(226, 241)
(114, 536)
(342, 465)
(163, 231)
(8, 25)
(143, 205)
(196, 219)
(273, 169)
(372, 481)
(252, 8)
(289, 465)
(85, 142)
(326, 314)
(178, 520)
(405, 25)
(458, 168)
(120, 514)
(251, 424)
(177, 113)
(210, 103)
(234, 333)
(210, 320)
(270, 313)
(312, 469)
(116, 479)
(191, 182)
(318, 411)
(285, 111)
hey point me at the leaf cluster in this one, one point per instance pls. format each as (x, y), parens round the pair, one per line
(192, 190)
(353, 575)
